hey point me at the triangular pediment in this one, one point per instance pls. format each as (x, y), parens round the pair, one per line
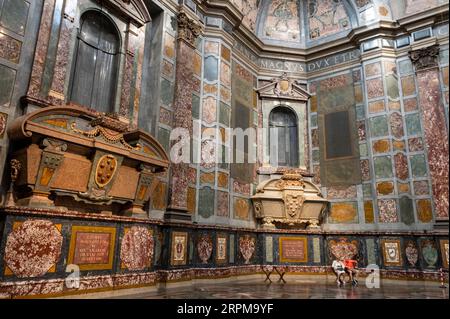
(136, 10)
(284, 88)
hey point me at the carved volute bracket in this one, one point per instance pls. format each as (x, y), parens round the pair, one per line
(188, 29)
(426, 58)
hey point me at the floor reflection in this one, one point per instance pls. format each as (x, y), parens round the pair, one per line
(296, 289)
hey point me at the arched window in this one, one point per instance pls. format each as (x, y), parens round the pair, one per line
(283, 138)
(96, 62)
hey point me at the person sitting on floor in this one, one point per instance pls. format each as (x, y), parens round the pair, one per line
(350, 269)
(339, 269)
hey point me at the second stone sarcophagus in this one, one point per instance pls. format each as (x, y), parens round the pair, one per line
(289, 201)
(74, 158)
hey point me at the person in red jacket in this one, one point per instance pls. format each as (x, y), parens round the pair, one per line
(350, 269)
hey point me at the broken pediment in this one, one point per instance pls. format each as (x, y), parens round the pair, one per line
(285, 88)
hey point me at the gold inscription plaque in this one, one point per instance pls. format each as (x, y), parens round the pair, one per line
(293, 249)
(92, 248)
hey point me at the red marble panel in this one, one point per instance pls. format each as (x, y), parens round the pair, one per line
(10, 48)
(387, 209)
(137, 248)
(33, 248)
(415, 144)
(222, 204)
(401, 166)
(375, 88)
(396, 122)
(41, 48)
(435, 130)
(182, 117)
(62, 55)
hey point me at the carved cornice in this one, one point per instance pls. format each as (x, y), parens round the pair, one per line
(426, 58)
(188, 29)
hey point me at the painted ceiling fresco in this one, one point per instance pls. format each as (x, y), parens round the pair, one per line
(414, 6)
(249, 9)
(283, 21)
(286, 20)
(326, 17)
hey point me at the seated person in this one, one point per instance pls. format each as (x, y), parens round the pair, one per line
(339, 269)
(350, 269)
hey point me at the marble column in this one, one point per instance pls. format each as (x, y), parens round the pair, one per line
(425, 61)
(188, 31)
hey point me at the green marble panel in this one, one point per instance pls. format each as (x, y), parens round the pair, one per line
(383, 167)
(360, 112)
(418, 165)
(393, 91)
(195, 106)
(7, 79)
(164, 138)
(14, 15)
(232, 249)
(371, 257)
(206, 202)
(413, 124)
(405, 67)
(367, 190)
(211, 68)
(167, 92)
(363, 150)
(316, 156)
(379, 126)
(313, 120)
(406, 210)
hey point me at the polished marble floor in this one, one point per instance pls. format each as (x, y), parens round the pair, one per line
(296, 289)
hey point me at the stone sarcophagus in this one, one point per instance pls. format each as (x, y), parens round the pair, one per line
(289, 201)
(74, 158)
